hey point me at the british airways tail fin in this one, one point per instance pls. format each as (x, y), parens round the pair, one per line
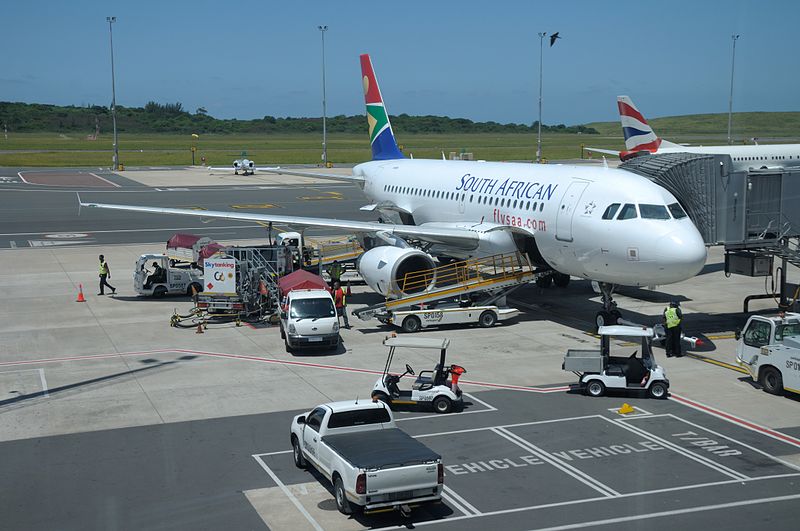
(381, 137)
(639, 136)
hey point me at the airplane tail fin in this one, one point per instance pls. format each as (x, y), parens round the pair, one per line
(381, 136)
(639, 136)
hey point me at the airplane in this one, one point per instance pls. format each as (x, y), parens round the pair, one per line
(602, 224)
(245, 165)
(640, 139)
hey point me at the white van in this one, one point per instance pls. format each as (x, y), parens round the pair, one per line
(308, 319)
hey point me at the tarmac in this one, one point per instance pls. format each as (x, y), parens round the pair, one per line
(110, 419)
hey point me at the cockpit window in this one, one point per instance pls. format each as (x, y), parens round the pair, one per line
(611, 211)
(627, 212)
(677, 211)
(653, 211)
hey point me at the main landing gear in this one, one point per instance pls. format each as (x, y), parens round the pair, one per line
(609, 315)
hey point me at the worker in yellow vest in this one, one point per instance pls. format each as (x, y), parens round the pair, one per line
(672, 322)
(104, 272)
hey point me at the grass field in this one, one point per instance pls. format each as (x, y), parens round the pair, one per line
(53, 149)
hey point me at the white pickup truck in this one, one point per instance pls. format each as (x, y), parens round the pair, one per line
(371, 463)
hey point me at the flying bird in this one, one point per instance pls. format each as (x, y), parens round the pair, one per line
(553, 38)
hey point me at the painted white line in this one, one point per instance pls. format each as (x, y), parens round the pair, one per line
(453, 503)
(450, 492)
(753, 448)
(788, 439)
(288, 493)
(23, 178)
(104, 179)
(603, 499)
(701, 459)
(12, 244)
(675, 512)
(273, 453)
(44, 383)
(482, 402)
(584, 478)
(532, 423)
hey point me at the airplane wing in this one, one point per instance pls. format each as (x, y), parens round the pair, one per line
(301, 173)
(604, 151)
(457, 237)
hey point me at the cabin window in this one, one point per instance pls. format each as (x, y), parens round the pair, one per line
(627, 212)
(677, 211)
(515, 203)
(611, 211)
(653, 211)
(541, 206)
(534, 205)
(471, 197)
(528, 206)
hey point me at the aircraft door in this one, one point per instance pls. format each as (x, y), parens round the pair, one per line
(461, 205)
(566, 210)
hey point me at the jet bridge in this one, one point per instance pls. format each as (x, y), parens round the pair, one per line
(752, 213)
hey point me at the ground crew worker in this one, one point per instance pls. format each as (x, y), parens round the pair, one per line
(340, 301)
(672, 322)
(105, 273)
(158, 272)
(335, 272)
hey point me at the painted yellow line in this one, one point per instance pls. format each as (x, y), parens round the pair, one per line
(718, 363)
(254, 206)
(791, 390)
(328, 195)
(722, 336)
(406, 402)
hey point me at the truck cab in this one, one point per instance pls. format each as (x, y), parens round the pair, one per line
(154, 276)
(769, 348)
(371, 463)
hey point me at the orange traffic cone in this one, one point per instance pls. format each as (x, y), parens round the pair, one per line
(199, 329)
(81, 298)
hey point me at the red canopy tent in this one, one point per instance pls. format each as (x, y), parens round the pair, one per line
(209, 250)
(301, 279)
(185, 241)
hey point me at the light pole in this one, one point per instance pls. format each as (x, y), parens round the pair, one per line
(322, 30)
(110, 21)
(734, 38)
(539, 134)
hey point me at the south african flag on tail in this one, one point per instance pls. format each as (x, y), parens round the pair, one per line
(381, 137)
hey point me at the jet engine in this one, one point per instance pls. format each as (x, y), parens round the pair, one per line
(385, 270)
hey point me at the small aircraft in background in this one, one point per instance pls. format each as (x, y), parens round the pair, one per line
(243, 164)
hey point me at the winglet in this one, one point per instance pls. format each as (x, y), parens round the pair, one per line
(80, 204)
(381, 136)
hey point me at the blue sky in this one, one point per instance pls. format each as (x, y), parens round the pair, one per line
(479, 60)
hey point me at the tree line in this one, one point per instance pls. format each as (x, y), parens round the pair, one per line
(173, 118)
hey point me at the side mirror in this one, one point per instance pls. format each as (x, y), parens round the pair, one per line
(301, 419)
(737, 334)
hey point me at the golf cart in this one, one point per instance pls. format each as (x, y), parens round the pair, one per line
(437, 388)
(597, 370)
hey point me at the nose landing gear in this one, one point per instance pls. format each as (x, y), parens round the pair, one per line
(609, 315)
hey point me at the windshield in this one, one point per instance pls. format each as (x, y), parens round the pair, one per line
(653, 211)
(312, 309)
(677, 211)
(787, 330)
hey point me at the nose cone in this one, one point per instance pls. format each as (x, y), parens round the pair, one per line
(682, 252)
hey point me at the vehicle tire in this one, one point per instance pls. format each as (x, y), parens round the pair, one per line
(561, 280)
(487, 319)
(297, 453)
(341, 498)
(287, 345)
(658, 390)
(197, 288)
(595, 388)
(411, 324)
(159, 292)
(771, 381)
(442, 404)
(544, 282)
(616, 315)
(602, 319)
(283, 333)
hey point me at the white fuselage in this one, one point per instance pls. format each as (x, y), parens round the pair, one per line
(560, 207)
(747, 158)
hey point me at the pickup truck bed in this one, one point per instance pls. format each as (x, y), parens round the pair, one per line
(380, 449)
